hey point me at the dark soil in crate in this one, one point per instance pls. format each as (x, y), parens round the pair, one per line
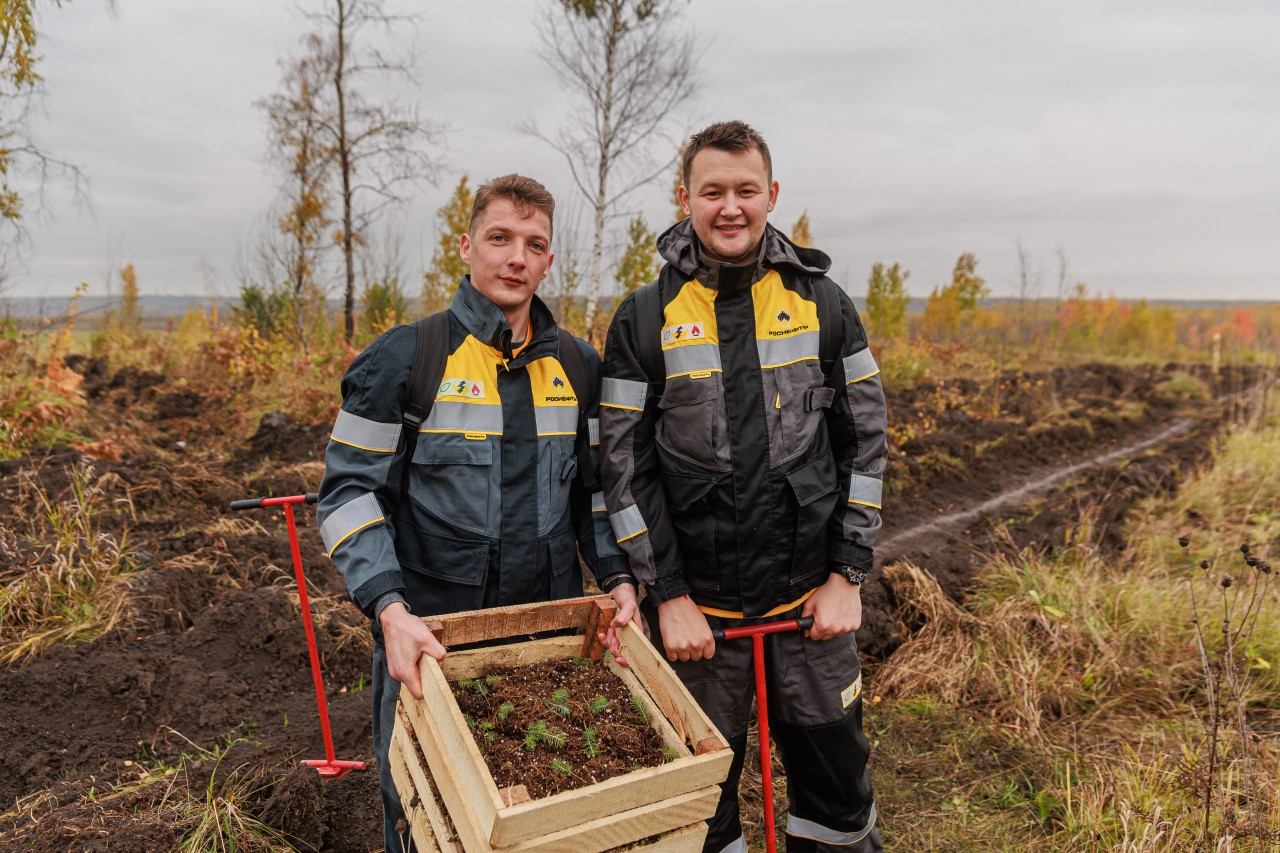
(558, 725)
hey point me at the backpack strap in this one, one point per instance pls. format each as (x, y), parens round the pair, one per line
(430, 353)
(649, 318)
(830, 324)
(575, 366)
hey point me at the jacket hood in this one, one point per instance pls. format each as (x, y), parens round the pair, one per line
(679, 247)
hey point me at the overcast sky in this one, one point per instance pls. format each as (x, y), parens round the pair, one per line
(1140, 138)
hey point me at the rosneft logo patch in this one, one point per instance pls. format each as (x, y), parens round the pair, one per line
(683, 332)
(784, 320)
(466, 388)
(566, 395)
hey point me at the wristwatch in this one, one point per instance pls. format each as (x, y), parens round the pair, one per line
(852, 574)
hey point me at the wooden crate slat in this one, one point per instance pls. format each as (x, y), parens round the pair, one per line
(633, 790)
(474, 663)
(517, 620)
(415, 792)
(686, 840)
(664, 686)
(452, 755)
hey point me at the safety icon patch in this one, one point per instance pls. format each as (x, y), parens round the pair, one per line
(468, 388)
(850, 694)
(683, 332)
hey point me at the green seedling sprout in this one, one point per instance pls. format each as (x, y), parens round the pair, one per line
(559, 702)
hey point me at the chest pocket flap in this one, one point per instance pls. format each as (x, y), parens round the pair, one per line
(452, 450)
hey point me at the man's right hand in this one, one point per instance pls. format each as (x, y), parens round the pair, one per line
(685, 632)
(406, 638)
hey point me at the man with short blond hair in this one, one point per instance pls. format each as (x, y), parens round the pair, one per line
(489, 510)
(743, 428)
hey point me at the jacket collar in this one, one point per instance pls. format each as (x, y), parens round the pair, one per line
(679, 247)
(485, 321)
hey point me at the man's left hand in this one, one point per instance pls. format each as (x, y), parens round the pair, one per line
(836, 609)
(624, 595)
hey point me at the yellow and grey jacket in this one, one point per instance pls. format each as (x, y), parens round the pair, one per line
(492, 508)
(754, 472)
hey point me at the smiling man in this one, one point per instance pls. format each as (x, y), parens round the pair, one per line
(480, 503)
(743, 428)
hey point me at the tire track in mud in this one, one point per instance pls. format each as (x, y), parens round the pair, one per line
(894, 547)
(953, 543)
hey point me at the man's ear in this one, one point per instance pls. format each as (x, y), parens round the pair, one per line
(464, 249)
(683, 194)
(773, 195)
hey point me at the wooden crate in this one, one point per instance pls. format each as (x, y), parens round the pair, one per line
(435, 758)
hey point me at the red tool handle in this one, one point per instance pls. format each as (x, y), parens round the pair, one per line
(756, 633)
(329, 767)
(804, 623)
(259, 503)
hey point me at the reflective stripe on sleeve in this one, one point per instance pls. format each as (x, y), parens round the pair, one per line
(556, 420)
(628, 523)
(737, 845)
(365, 434)
(802, 828)
(695, 358)
(623, 394)
(859, 366)
(354, 515)
(593, 431)
(865, 491)
(450, 416)
(597, 502)
(776, 353)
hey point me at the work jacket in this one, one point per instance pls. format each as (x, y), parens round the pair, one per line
(755, 472)
(492, 505)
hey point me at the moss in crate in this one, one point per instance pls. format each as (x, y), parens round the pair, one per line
(558, 725)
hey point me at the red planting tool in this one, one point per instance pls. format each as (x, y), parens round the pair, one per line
(328, 767)
(756, 633)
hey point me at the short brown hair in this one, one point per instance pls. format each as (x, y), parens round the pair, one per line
(525, 194)
(724, 136)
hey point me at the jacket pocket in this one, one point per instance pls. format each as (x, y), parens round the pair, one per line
(450, 476)
(566, 575)
(442, 574)
(694, 519)
(692, 425)
(794, 400)
(556, 469)
(816, 492)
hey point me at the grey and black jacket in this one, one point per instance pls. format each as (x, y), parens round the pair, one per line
(754, 473)
(492, 508)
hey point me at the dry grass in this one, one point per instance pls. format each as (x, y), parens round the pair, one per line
(1073, 703)
(65, 585)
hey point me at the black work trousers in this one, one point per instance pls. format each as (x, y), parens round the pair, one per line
(815, 717)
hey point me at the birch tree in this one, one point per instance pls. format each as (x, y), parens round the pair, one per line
(380, 149)
(630, 67)
(297, 119)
